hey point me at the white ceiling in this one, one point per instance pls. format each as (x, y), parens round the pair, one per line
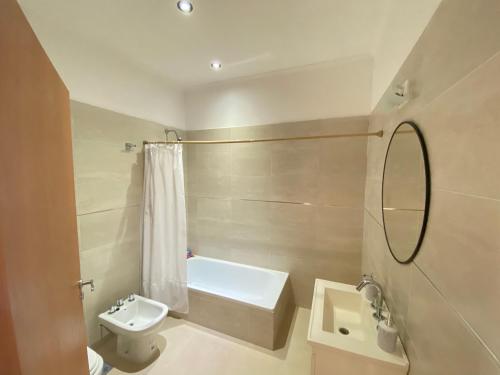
(249, 36)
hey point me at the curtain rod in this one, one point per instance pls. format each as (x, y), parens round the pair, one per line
(379, 134)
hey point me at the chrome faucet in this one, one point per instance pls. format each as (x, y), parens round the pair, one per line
(379, 303)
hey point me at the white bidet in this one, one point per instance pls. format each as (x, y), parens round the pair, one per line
(136, 322)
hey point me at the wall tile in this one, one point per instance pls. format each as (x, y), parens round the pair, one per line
(255, 164)
(247, 253)
(208, 186)
(466, 118)
(102, 229)
(250, 187)
(469, 32)
(108, 196)
(343, 189)
(115, 258)
(463, 259)
(309, 241)
(250, 212)
(99, 190)
(98, 124)
(208, 135)
(373, 198)
(439, 342)
(295, 187)
(209, 163)
(374, 245)
(338, 228)
(443, 303)
(210, 208)
(294, 161)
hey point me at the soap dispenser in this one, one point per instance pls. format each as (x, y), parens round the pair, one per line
(387, 335)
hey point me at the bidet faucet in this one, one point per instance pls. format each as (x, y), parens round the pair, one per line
(379, 303)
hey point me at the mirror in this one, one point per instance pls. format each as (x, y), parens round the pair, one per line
(405, 192)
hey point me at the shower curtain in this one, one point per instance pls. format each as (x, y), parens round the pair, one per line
(164, 264)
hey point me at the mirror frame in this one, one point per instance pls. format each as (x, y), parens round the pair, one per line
(425, 156)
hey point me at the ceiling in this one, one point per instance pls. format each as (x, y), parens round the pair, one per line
(249, 37)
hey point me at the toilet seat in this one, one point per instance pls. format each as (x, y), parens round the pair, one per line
(96, 362)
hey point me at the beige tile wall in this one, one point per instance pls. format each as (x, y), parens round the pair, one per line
(446, 303)
(108, 192)
(233, 192)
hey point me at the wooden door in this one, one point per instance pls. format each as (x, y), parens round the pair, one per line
(41, 315)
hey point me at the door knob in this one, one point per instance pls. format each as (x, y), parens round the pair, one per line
(82, 283)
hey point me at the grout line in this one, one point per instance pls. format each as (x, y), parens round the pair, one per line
(461, 317)
(373, 217)
(421, 110)
(107, 210)
(467, 195)
(464, 321)
(457, 82)
(314, 204)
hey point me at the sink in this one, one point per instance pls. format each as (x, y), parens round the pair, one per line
(343, 334)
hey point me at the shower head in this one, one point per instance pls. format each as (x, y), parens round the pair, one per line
(177, 138)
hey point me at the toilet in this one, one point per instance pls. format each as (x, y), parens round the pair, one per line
(96, 362)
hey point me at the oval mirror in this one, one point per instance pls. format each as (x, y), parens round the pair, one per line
(405, 192)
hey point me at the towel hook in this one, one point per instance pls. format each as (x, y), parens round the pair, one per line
(129, 146)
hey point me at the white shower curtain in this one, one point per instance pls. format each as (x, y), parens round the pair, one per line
(164, 265)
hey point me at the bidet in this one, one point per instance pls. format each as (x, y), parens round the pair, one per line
(136, 323)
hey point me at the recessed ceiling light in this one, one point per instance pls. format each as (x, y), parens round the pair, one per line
(185, 6)
(216, 65)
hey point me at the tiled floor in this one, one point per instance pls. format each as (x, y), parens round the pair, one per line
(191, 350)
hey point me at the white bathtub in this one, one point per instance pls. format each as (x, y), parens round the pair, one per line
(251, 303)
(256, 286)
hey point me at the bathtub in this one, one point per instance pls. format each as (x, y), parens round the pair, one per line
(250, 303)
(255, 286)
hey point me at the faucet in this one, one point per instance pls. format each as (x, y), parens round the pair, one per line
(379, 303)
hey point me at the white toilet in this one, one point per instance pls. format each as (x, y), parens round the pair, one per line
(136, 323)
(96, 363)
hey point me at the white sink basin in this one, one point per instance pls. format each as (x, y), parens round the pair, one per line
(343, 334)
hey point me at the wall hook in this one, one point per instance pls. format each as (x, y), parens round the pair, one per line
(129, 146)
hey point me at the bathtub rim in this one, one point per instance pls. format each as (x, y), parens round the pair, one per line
(286, 277)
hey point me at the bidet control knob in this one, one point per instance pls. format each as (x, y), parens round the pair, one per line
(131, 297)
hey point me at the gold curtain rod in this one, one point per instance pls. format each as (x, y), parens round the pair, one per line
(346, 135)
